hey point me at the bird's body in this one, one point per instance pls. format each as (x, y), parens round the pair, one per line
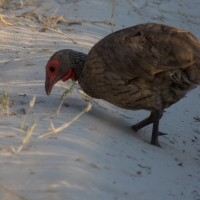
(148, 66)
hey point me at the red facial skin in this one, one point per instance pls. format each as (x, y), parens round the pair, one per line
(52, 75)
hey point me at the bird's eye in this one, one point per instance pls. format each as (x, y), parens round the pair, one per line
(52, 68)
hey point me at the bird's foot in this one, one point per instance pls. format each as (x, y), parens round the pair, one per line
(161, 133)
(135, 127)
(156, 143)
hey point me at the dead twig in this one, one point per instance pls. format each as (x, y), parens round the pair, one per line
(61, 19)
(31, 104)
(3, 21)
(4, 102)
(50, 21)
(30, 12)
(54, 130)
(102, 22)
(27, 137)
(74, 41)
(75, 22)
(57, 31)
(12, 192)
(64, 96)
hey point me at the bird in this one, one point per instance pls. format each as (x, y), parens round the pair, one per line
(148, 66)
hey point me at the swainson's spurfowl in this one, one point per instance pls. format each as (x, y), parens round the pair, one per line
(147, 66)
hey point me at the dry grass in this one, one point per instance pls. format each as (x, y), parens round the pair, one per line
(27, 137)
(72, 39)
(29, 131)
(31, 104)
(12, 192)
(3, 21)
(44, 23)
(4, 102)
(51, 21)
(54, 130)
(64, 96)
(13, 4)
(103, 22)
(27, 3)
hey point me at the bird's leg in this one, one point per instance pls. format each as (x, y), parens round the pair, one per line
(143, 123)
(146, 122)
(153, 118)
(157, 114)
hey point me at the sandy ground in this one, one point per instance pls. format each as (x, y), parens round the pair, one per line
(98, 156)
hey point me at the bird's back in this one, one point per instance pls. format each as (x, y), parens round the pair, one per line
(148, 66)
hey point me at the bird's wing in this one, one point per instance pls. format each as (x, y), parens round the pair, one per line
(145, 50)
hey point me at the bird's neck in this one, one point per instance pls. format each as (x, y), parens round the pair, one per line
(77, 61)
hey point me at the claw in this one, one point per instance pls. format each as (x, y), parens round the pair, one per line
(156, 143)
(135, 128)
(162, 134)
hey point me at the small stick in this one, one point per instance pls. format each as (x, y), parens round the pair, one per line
(54, 131)
(12, 192)
(4, 101)
(64, 96)
(5, 23)
(9, 147)
(103, 22)
(71, 22)
(47, 21)
(58, 31)
(31, 11)
(31, 104)
(28, 136)
(74, 42)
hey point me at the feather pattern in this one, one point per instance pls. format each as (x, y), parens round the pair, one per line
(148, 66)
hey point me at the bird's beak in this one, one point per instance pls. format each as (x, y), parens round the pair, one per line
(50, 82)
(47, 88)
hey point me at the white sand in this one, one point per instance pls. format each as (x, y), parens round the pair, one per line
(98, 157)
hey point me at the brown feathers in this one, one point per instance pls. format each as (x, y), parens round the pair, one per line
(148, 66)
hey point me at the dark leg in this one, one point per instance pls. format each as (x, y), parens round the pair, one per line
(153, 118)
(146, 122)
(155, 132)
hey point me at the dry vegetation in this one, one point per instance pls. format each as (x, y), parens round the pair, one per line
(12, 4)
(4, 102)
(42, 23)
(54, 130)
(12, 192)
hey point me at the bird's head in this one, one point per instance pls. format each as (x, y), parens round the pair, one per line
(63, 65)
